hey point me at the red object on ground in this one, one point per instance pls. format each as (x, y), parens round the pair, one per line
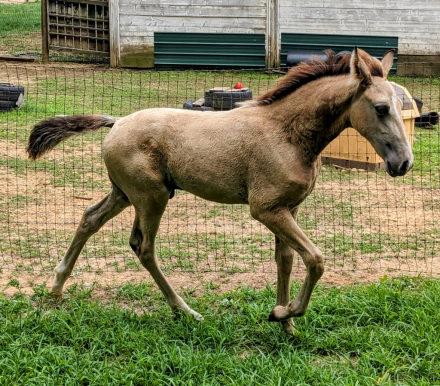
(238, 86)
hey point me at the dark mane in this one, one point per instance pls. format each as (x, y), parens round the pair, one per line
(313, 69)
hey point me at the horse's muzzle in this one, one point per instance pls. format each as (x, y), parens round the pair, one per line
(398, 169)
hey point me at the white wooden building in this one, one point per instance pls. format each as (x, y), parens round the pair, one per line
(133, 23)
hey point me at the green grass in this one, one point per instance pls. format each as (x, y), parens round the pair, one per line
(18, 23)
(378, 334)
(20, 18)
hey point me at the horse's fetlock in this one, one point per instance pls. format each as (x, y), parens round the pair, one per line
(296, 310)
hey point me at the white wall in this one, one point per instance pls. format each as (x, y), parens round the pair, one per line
(139, 19)
(416, 23)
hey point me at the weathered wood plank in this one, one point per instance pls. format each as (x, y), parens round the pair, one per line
(133, 37)
(193, 11)
(370, 15)
(357, 4)
(223, 3)
(365, 27)
(114, 33)
(171, 23)
(273, 36)
(416, 23)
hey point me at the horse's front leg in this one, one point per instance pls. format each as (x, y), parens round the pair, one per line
(284, 260)
(281, 222)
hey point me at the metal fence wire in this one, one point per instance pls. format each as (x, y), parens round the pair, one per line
(362, 220)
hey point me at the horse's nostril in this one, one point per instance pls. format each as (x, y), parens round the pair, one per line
(404, 167)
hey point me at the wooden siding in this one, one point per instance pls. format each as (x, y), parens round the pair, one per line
(138, 20)
(416, 23)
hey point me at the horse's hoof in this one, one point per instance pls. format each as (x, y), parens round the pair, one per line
(278, 314)
(196, 315)
(179, 313)
(272, 318)
(289, 327)
(56, 296)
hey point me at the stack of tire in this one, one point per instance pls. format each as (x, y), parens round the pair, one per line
(219, 99)
(11, 97)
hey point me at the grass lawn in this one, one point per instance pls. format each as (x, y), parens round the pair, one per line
(377, 334)
(18, 24)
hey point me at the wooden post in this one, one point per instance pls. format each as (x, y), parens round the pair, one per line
(44, 32)
(113, 9)
(273, 37)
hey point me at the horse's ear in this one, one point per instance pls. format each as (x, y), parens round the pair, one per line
(387, 62)
(359, 68)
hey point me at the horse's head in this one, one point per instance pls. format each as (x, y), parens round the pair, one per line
(375, 112)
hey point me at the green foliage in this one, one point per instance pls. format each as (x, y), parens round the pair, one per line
(378, 334)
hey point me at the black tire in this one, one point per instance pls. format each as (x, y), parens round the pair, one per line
(226, 100)
(4, 88)
(9, 96)
(8, 104)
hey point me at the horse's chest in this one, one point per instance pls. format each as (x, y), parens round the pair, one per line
(299, 186)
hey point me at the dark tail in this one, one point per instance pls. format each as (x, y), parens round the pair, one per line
(50, 132)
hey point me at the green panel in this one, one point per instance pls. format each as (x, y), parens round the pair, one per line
(200, 50)
(374, 45)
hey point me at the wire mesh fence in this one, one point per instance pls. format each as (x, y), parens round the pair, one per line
(20, 35)
(364, 221)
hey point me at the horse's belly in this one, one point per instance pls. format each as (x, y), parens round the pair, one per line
(215, 189)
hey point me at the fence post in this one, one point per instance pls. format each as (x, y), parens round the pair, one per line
(113, 9)
(44, 32)
(272, 34)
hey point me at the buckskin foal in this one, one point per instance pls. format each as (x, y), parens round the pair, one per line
(265, 154)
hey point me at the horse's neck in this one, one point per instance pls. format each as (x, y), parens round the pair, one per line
(316, 114)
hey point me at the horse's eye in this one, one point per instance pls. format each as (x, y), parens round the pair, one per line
(382, 109)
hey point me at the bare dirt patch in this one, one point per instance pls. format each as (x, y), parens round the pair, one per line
(221, 282)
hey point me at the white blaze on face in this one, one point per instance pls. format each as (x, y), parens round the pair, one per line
(395, 109)
(394, 99)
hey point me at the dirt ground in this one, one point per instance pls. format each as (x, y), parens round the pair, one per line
(368, 272)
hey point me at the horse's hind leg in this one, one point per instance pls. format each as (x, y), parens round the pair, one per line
(93, 219)
(142, 241)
